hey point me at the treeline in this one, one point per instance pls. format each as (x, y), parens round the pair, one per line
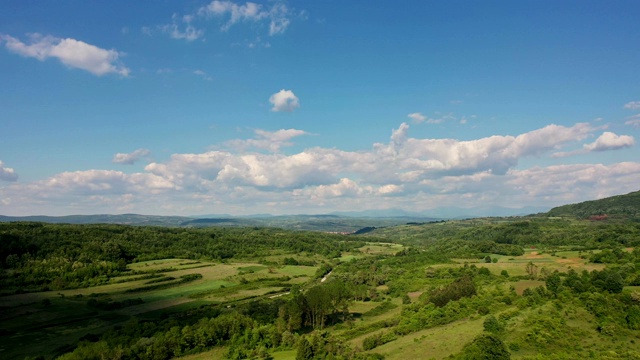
(38, 256)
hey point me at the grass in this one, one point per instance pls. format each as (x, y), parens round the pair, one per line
(215, 353)
(521, 285)
(381, 248)
(284, 355)
(515, 265)
(434, 343)
(362, 307)
(349, 257)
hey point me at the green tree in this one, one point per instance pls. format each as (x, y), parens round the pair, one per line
(304, 349)
(532, 270)
(553, 283)
(493, 325)
(485, 347)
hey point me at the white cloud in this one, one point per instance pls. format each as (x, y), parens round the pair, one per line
(266, 140)
(438, 119)
(130, 158)
(175, 31)
(633, 121)
(71, 52)
(389, 189)
(576, 182)
(610, 141)
(399, 136)
(7, 173)
(406, 172)
(284, 100)
(203, 75)
(417, 117)
(278, 15)
(633, 105)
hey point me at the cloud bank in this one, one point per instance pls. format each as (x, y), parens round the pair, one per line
(415, 174)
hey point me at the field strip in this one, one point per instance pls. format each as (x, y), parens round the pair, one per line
(156, 305)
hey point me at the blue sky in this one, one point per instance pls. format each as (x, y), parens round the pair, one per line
(201, 107)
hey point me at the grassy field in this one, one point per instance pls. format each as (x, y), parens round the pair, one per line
(435, 343)
(36, 327)
(561, 261)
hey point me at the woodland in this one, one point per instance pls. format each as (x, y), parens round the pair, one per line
(557, 285)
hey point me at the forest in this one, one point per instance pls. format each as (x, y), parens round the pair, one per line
(558, 285)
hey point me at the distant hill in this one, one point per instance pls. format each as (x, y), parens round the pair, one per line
(621, 205)
(327, 223)
(123, 219)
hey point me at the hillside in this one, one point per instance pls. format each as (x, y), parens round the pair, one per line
(622, 205)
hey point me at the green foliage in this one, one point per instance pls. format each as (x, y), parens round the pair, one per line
(304, 349)
(382, 308)
(373, 341)
(627, 205)
(406, 299)
(483, 347)
(462, 287)
(63, 256)
(553, 283)
(493, 325)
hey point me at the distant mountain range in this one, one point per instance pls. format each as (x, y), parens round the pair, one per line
(125, 219)
(622, 205)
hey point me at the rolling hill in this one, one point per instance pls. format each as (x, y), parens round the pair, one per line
(627, 205)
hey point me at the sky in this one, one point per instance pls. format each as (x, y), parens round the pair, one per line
(309, 107)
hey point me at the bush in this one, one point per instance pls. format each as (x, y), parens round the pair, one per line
(492, 325)
(485, 347)
(462, 287)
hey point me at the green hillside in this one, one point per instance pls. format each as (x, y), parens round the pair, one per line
(622, 205)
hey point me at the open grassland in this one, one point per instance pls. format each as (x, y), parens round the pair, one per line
(284, 355)
(435, 343)
(215, 353)
(381, 248)
(561, 261)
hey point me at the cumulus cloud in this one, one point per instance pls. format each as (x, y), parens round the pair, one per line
(406, 172)
(575, 182)
(633, 105)
(610, 141)
(7, 173)
(278, 15)
(284, 100)
(130, 158)
(71, 52)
